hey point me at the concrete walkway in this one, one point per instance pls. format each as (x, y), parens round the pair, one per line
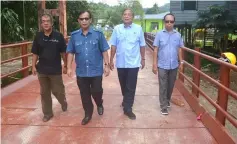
(22, 116)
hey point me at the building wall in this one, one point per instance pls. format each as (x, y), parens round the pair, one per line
(190, 16)
(147, 24)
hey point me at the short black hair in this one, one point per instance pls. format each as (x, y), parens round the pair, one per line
(84, 11)
(169, 14)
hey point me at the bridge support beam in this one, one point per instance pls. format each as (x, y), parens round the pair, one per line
(222, 99)
(60, 11)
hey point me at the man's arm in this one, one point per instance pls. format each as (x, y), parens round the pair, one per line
(112, 53)
(155, 53)
(142, 51)
(64, 57)
(69, 60)
(34, 61)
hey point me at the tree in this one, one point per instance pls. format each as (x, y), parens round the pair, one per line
(153, 10)
(220, 19)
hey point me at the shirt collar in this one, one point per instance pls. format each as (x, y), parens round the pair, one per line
(89, 31)
(173, 31)
(129, 26)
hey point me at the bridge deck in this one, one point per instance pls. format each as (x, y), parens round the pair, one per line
(21, 116)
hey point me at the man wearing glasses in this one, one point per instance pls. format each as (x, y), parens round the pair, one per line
(167, 58)
(48, 48)
(90, 48)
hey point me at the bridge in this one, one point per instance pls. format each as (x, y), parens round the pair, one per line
(188, 120)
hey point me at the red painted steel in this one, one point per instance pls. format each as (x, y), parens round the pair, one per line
(223, 111)
(210, 79)
(16, 58)
(223, 85)
(9, 74)
(196, 75)
(222, 98)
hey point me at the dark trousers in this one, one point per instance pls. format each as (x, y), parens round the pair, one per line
(166, 84)
(128, 83)
(90, 86)
(48, 84)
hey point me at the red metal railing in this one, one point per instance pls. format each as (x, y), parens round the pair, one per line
(24, 57)
(223, 84)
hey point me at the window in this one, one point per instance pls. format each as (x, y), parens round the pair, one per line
(188, 5)
(154, 26)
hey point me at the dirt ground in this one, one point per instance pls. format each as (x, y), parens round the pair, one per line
(212, 91)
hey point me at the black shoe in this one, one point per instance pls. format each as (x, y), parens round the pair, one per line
(64, 106)
(131, 115)
(85, 120)
(47, 118)
(164, 112)
(100, 110)
(122, 105)
(168, 105)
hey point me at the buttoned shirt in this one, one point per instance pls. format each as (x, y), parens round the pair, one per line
(168, 44)
(128, 41)
(88, 50)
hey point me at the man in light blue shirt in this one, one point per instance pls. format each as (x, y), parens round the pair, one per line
(128, 43)
(166, 58)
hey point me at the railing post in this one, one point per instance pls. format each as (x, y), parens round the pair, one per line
(222, 99)
(181, 78)
(196, 75)
(24, 60)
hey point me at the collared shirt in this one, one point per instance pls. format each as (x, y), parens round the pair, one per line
(49, 49)
(168, 44)
(128, 41)
(88, 50)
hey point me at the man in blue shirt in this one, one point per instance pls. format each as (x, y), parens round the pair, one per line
(128, 43)
(166, 60)
(90, 48)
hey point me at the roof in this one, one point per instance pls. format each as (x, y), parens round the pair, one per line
(153, 16)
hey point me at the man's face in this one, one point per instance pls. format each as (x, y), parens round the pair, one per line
(127, 17)
(46, 23)
(169, 22)
(84, 20)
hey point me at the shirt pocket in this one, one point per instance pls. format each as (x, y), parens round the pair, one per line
(163, 43)
(79, 47)
(175, 43)
(133, 37)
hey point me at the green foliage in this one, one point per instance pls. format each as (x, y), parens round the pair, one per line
(153, 10)
(220, 20)
(73, 9)
(11, 30)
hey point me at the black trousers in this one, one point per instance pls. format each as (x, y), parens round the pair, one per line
(90, 86)
(128, 84)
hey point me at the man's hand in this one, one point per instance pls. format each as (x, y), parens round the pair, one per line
(106, 70)
(69, 72)
(34, 71)
(64, 69)
(142, 63)
(154, 69)
(111, 65)
(181, 67)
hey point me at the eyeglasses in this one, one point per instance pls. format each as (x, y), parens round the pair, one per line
(168, 21)
(81, 19)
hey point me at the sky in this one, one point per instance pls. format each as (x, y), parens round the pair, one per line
(145, 3)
